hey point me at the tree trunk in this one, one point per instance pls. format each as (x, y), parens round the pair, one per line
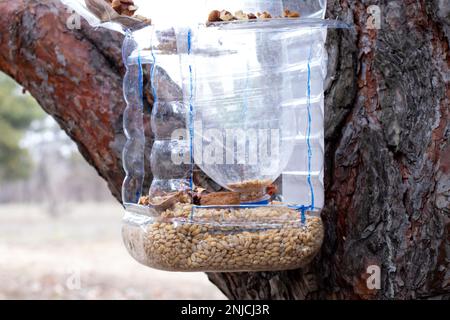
(387, 124)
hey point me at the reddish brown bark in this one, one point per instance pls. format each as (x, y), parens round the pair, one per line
(75, 76)
(387, 140)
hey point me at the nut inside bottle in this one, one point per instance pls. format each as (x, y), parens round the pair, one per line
(251, 191)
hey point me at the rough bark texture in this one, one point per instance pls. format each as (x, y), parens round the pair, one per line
(387, 139)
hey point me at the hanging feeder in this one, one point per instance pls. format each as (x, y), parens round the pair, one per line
(237, 121)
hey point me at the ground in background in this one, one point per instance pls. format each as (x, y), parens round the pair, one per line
(78, 254)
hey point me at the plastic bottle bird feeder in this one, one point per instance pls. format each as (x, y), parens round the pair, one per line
(238, 100)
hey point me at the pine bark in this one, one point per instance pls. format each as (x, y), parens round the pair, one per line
(387, 174)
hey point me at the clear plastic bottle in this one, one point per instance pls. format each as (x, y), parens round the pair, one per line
(241, 102)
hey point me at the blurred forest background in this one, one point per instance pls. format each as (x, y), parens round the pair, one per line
(59, 225)
(38, 162)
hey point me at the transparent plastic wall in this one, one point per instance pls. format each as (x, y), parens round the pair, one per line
(265, 78)
(243, 102)
(250, 76)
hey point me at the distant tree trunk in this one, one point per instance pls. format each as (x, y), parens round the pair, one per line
(387, 139)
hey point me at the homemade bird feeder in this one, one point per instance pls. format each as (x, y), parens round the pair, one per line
(237, 129)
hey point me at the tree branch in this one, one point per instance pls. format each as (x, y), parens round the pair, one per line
(387, 173)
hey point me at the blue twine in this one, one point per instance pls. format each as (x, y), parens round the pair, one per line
(308, 136)
(152, 77)
(191, 117)
(191, 130)
(141, 96)
(189, 41)
(138, 196)
(303, 208)
(140, 77)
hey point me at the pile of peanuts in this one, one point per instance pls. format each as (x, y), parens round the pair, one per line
(224, 15)
(246, 239)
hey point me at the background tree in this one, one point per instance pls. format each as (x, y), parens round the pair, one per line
(17, 111)
(38, 162)
(387, 124)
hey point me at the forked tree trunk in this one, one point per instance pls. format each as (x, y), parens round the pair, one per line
(387, 139)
